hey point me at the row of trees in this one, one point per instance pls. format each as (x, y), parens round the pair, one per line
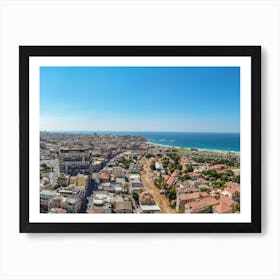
(160, 182)
(213, 175)
(233, 162)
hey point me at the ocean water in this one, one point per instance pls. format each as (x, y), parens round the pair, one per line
(229, 142)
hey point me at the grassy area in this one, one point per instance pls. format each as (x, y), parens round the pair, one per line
(182, 151)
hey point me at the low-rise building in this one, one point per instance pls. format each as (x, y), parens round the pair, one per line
(137, 186)
(120, 180)
(57, 211)
(200, 167)
(222, 209)
(45, 198)
(122, 207)
(118, 172)
(104, 177)
(63, 180)
(158, 166)
(147, 203)
(232, 193)
(100, 202)
(201, 182)
(112, 187)
(200, 206)
(82, 180)
(97, 165)
(69, 198)
(227, 201)
(194, 175)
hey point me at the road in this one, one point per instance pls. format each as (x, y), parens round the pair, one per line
(147, 180)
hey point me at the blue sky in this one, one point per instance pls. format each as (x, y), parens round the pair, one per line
(198, 99)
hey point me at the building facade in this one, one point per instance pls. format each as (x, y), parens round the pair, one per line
(74, 161)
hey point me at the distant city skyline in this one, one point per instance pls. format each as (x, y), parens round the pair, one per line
(173, 99)
(124, 131)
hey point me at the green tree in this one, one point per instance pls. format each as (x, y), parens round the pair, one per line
(203, 189)
(208, 210)
(165, 163)
(229, 173)
(182, 209)
(185, 177)
(135, 196)
(224, 178)
(212, 173)
(236, 207)
(236, 179)
(189, 168)
(218, 184)
(171, 193)
(171, 166)
(153, 166)
(149, 156)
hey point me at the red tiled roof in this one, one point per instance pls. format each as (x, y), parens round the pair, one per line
(233, 190)
(210, 201)
(204, 194)
(193, 189)
(104, 176)
(189, 196)
(183, 190)
(146, 198)
(226, 200)
(184, 160)
(196, 205)
(188, 190)
(201, 180)
(222, 208)
(175, 173)
(217, 166)
(232, 184)
(202, 203)
(194, 173)
(171, 180)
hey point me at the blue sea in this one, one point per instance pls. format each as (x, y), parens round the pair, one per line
(228, 142)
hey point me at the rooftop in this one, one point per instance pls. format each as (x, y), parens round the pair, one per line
(222, 208)
(226, 200)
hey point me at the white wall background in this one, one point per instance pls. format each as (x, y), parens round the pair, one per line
(135, 256)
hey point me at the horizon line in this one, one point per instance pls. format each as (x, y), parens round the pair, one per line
(63, 131)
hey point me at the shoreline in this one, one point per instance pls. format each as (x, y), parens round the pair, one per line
(148, 141)
(196, 149)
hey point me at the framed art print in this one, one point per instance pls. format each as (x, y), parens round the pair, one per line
(140, 138)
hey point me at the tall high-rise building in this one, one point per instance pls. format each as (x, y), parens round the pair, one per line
(75, 160)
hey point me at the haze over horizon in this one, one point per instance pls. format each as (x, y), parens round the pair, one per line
(140, 99)
(115, 131)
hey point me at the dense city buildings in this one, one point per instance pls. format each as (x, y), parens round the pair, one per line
(123, 174)
(75, 160)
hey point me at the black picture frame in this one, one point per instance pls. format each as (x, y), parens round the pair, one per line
(25, 52)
